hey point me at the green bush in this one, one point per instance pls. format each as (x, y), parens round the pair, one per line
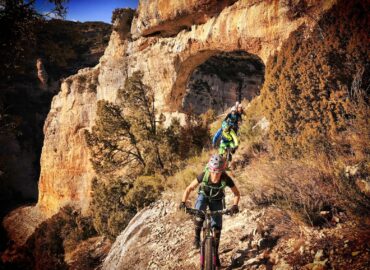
(115, 202)
(146, 190)
(110, 214)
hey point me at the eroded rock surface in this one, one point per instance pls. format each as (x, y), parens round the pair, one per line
(66, 172)
(222, 80)
(168, 17)
(160, 237)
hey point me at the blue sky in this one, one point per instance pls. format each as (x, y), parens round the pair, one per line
(89, 10)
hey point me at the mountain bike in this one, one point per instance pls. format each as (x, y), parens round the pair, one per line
(207, 248)
(229, 154)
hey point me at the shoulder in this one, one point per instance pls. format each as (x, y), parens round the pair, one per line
(200, 177)
(228, 180)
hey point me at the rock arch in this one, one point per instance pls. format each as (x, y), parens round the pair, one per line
(216, 79)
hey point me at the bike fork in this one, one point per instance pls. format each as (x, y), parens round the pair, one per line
(202, 255)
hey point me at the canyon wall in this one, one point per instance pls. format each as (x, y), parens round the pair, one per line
(167, 43)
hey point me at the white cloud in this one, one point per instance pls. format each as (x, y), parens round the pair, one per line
(51, 15)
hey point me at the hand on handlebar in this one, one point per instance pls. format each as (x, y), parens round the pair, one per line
(182, 206)
(233, 150)
(234, 210)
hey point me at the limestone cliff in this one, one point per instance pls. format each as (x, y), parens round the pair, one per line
(168, 43)
(58, 49)
(64, 155)
(167, 18)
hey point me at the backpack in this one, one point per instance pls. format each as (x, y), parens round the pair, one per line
(213, 191)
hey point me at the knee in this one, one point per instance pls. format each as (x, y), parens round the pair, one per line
(217, 228)
(217, 234)
(198, 222)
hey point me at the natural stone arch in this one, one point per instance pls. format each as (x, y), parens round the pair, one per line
(184, 71)
(212, 76)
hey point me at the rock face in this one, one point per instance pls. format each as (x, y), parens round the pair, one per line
(169, 40)
(258, 28)
(64, 154)
(167, 18)
(42, 75)
(59, 50)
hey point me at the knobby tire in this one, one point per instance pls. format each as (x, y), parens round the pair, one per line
(228, 156)
(208, 254)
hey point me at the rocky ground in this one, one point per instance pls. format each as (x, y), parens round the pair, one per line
(160, 237)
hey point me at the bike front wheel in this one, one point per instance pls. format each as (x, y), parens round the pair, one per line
(209, 263)
(229, 155)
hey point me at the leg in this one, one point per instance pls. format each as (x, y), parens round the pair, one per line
(217, 237)
(201, 204)
(221, 149)
(232, 146)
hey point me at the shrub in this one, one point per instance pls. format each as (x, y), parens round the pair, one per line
(115, 202)
(195, 165)
(110, 214)
(146, 190)
(311, 83)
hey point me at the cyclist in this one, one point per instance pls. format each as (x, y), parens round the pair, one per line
(240, 111)
(235, 116)
(228, 138)
(211, 193)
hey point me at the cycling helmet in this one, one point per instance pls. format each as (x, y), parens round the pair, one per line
(216, 163)
(225, 125)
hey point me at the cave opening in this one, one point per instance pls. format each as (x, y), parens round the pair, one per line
(221, 80)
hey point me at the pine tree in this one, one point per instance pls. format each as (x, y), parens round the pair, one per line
(112, 142)
(138, 100)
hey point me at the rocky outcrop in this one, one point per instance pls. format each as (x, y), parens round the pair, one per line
(160, 237)
(167, 18)
(64, 154)
(20, 224)
(42, 75)
(66, 172)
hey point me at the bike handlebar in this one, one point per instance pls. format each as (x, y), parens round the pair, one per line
(193, 211)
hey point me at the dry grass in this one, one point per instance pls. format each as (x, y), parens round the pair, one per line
(304, 187)
(180, 180)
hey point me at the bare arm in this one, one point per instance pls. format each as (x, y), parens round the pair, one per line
(189, 189)
(236, 192)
